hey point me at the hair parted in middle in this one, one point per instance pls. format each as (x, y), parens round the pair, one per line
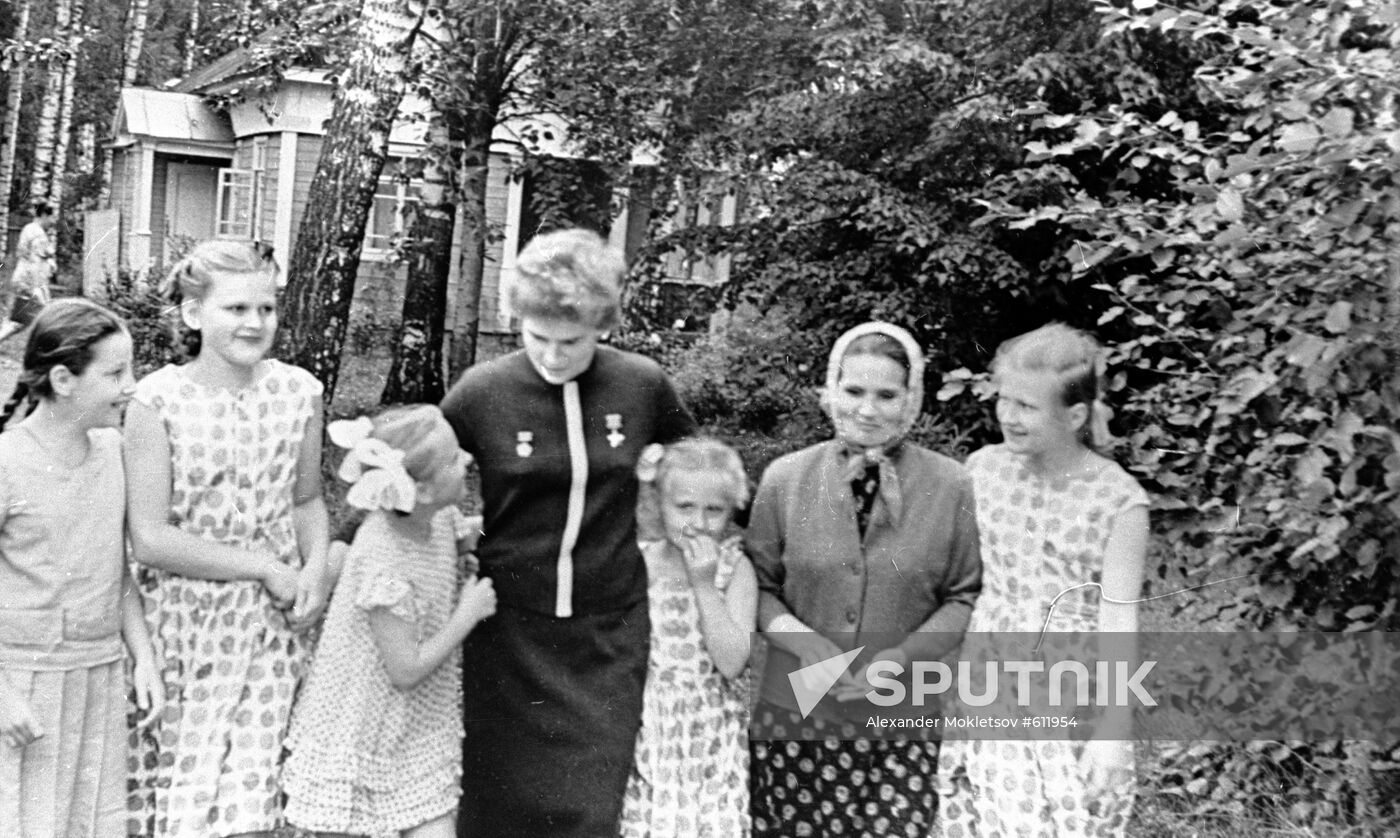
(572, 275)
(660, 463)
(406, 427)
(1075, 361)
(64, 335)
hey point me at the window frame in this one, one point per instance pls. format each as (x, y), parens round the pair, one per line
(407, 192)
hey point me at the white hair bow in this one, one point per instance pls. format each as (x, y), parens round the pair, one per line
(374, 469)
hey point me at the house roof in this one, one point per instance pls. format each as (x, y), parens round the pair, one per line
(169, 115)
(221, 69)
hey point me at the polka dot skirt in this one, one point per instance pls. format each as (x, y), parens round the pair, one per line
(828, 781)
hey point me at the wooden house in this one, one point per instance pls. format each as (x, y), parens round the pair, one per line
(184, 171)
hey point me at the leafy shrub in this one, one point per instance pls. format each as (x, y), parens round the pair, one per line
(158, 336)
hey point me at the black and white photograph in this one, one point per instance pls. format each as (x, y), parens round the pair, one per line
(699, 418)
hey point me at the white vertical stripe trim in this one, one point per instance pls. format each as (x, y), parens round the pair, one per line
(578, 484)
(286, 198)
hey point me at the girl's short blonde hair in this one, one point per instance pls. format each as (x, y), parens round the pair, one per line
(697, 453)
(1074, 359)
(572, 275)
(189, 279)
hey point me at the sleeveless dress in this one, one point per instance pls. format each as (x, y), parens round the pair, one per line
(1040, 539)
(368, 758)
(232, 663)
(691, 774)
(62, 559)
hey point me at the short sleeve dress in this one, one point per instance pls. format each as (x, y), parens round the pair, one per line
(1043, 542)
(232, 664)
(367, 758)
(691, 777)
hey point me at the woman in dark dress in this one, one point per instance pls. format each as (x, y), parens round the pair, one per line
(553, 685)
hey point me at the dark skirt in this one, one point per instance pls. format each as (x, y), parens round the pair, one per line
(551, 707)
(829, 780)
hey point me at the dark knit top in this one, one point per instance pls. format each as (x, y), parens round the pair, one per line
(518, 428)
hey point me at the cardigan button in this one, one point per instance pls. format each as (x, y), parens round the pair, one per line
(851, 615)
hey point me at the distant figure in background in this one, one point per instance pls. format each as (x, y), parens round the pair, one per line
(35, 265)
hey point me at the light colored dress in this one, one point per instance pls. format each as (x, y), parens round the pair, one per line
(1040, 539)
(62, 557)
(691, 776)
(367, 758)
(34, 258)
(232, 663)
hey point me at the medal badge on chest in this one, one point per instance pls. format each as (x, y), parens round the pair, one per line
(614, 423)
(523, 448)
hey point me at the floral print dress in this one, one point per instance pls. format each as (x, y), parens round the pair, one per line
(1043, 545)
(690, 779)
(231, 662)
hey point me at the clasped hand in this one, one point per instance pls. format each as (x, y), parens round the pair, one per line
(304, 592)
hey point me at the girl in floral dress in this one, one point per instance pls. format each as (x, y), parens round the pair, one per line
(1064, 536)
(691, 772)
(376, 736)
(223, 457)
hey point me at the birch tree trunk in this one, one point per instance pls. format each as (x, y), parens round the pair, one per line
(133, 41)
(192, 39)
(46, 135)
(475, 161)
(322, 269)
(64, 131)
(489, 34)
(13, 101)
(416, 372)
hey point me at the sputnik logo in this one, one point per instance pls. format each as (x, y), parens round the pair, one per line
(811, 683)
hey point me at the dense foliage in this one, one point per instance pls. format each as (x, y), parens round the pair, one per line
(1211, 188)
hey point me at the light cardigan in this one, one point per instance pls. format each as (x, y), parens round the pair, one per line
(811, 562)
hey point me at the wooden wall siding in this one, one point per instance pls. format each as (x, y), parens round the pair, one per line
(308, 153)
(272, 160)
(123, 195)
(158, 184)
(243, 153)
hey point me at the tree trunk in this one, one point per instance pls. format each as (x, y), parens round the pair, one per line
(64, 130)
(475, 162)
(13, 101)
(135, 39)
(192, 39)
(321, 273)
(46, 136)
(416, 372)
(483, 52)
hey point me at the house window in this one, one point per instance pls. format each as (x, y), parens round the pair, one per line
(241, 193)
(700, 208)
(396, 199)
(237, 203)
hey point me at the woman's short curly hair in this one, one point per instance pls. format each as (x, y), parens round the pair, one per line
(572, 275)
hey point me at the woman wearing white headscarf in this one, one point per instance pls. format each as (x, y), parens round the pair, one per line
(864, 540)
